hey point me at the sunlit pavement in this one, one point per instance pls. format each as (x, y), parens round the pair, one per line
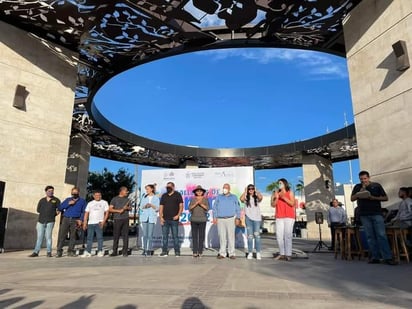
(318, 281)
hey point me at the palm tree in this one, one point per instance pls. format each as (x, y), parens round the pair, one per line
(300, 187)
(272, 186)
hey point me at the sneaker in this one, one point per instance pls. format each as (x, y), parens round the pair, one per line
(232, 257)
(113, 254)
(177, 254)
(59, 254)
(86, 255)
(163, 254)
(34, 254)
(100, 254)
(144, 253)
(49, 254)
(258, 256)
(249, 256)
(220, 257)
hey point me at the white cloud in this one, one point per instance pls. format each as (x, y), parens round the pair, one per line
(314, 64)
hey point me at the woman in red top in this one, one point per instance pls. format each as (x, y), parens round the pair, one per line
(284, 202)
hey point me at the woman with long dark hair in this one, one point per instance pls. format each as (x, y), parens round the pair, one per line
(252, 198)
(149, 206)
(198, 207)
(284, 202)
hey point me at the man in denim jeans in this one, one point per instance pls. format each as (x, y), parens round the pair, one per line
(47, 209)
(171, 207)
(95, 216)
(369, 196)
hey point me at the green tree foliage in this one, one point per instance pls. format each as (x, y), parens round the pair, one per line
(272, 186)
(109, 183)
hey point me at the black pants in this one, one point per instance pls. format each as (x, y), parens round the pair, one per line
(67, 225)
(121, 226)
(198, 236)
(334, 225)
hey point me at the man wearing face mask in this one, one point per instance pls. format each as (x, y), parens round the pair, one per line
(171, 207)
(73, 212)
(226, 209)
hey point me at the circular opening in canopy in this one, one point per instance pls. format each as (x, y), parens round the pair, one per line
(231, 98)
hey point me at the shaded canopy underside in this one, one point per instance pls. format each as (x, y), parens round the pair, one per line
(113, 36)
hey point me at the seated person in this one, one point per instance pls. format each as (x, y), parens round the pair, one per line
(336, 218)
(403, 218)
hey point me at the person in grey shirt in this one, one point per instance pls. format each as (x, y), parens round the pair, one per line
(120, 207)
(198, 207)
(336, 218)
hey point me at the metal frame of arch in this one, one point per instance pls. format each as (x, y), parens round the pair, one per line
(113, 36)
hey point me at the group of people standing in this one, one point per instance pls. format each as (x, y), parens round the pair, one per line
(77, 214)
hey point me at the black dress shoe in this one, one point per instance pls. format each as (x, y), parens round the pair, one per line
(113, 254)
(49, 254)
(390, 262)
(59, 254)
(374, 261)
(34, 254)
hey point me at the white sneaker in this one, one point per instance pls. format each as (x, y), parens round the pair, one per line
(100, 254)
(258, 256)
(249, 256)
(86, 254)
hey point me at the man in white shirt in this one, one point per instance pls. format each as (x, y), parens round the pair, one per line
(96, 214)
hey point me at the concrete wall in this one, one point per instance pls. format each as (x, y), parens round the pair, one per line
(381, 95)
(33, 142)
(316, 171)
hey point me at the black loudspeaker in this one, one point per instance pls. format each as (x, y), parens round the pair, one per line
(319, 217)
(2, 188)
(401, 53)
(20, 97)
(3, 220)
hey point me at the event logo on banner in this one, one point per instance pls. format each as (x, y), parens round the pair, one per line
(211, 179)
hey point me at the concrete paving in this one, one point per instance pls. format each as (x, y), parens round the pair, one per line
(318, 281)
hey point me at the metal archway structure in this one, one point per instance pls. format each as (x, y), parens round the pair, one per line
(113, 36)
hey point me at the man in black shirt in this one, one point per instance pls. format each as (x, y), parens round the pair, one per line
(369, 196)
(119, 207)
(171, 207)
(47, 210)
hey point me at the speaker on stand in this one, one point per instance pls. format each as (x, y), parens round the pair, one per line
(321, 244)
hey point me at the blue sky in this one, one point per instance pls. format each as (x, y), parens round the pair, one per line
(232, 98)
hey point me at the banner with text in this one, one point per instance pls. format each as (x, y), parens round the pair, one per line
(211, 179)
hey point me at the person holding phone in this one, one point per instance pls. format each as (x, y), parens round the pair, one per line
(149, 207)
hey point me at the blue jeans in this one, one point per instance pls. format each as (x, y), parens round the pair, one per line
(166, 227)
(147, 235)
(253, 232)
(375, 231)
(91, 229)
(42, 229)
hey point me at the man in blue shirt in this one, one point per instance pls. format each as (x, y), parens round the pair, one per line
(72, 210)
(226, 209)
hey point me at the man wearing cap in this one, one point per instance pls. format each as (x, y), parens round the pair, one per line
(226, 209)
(198, 207)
